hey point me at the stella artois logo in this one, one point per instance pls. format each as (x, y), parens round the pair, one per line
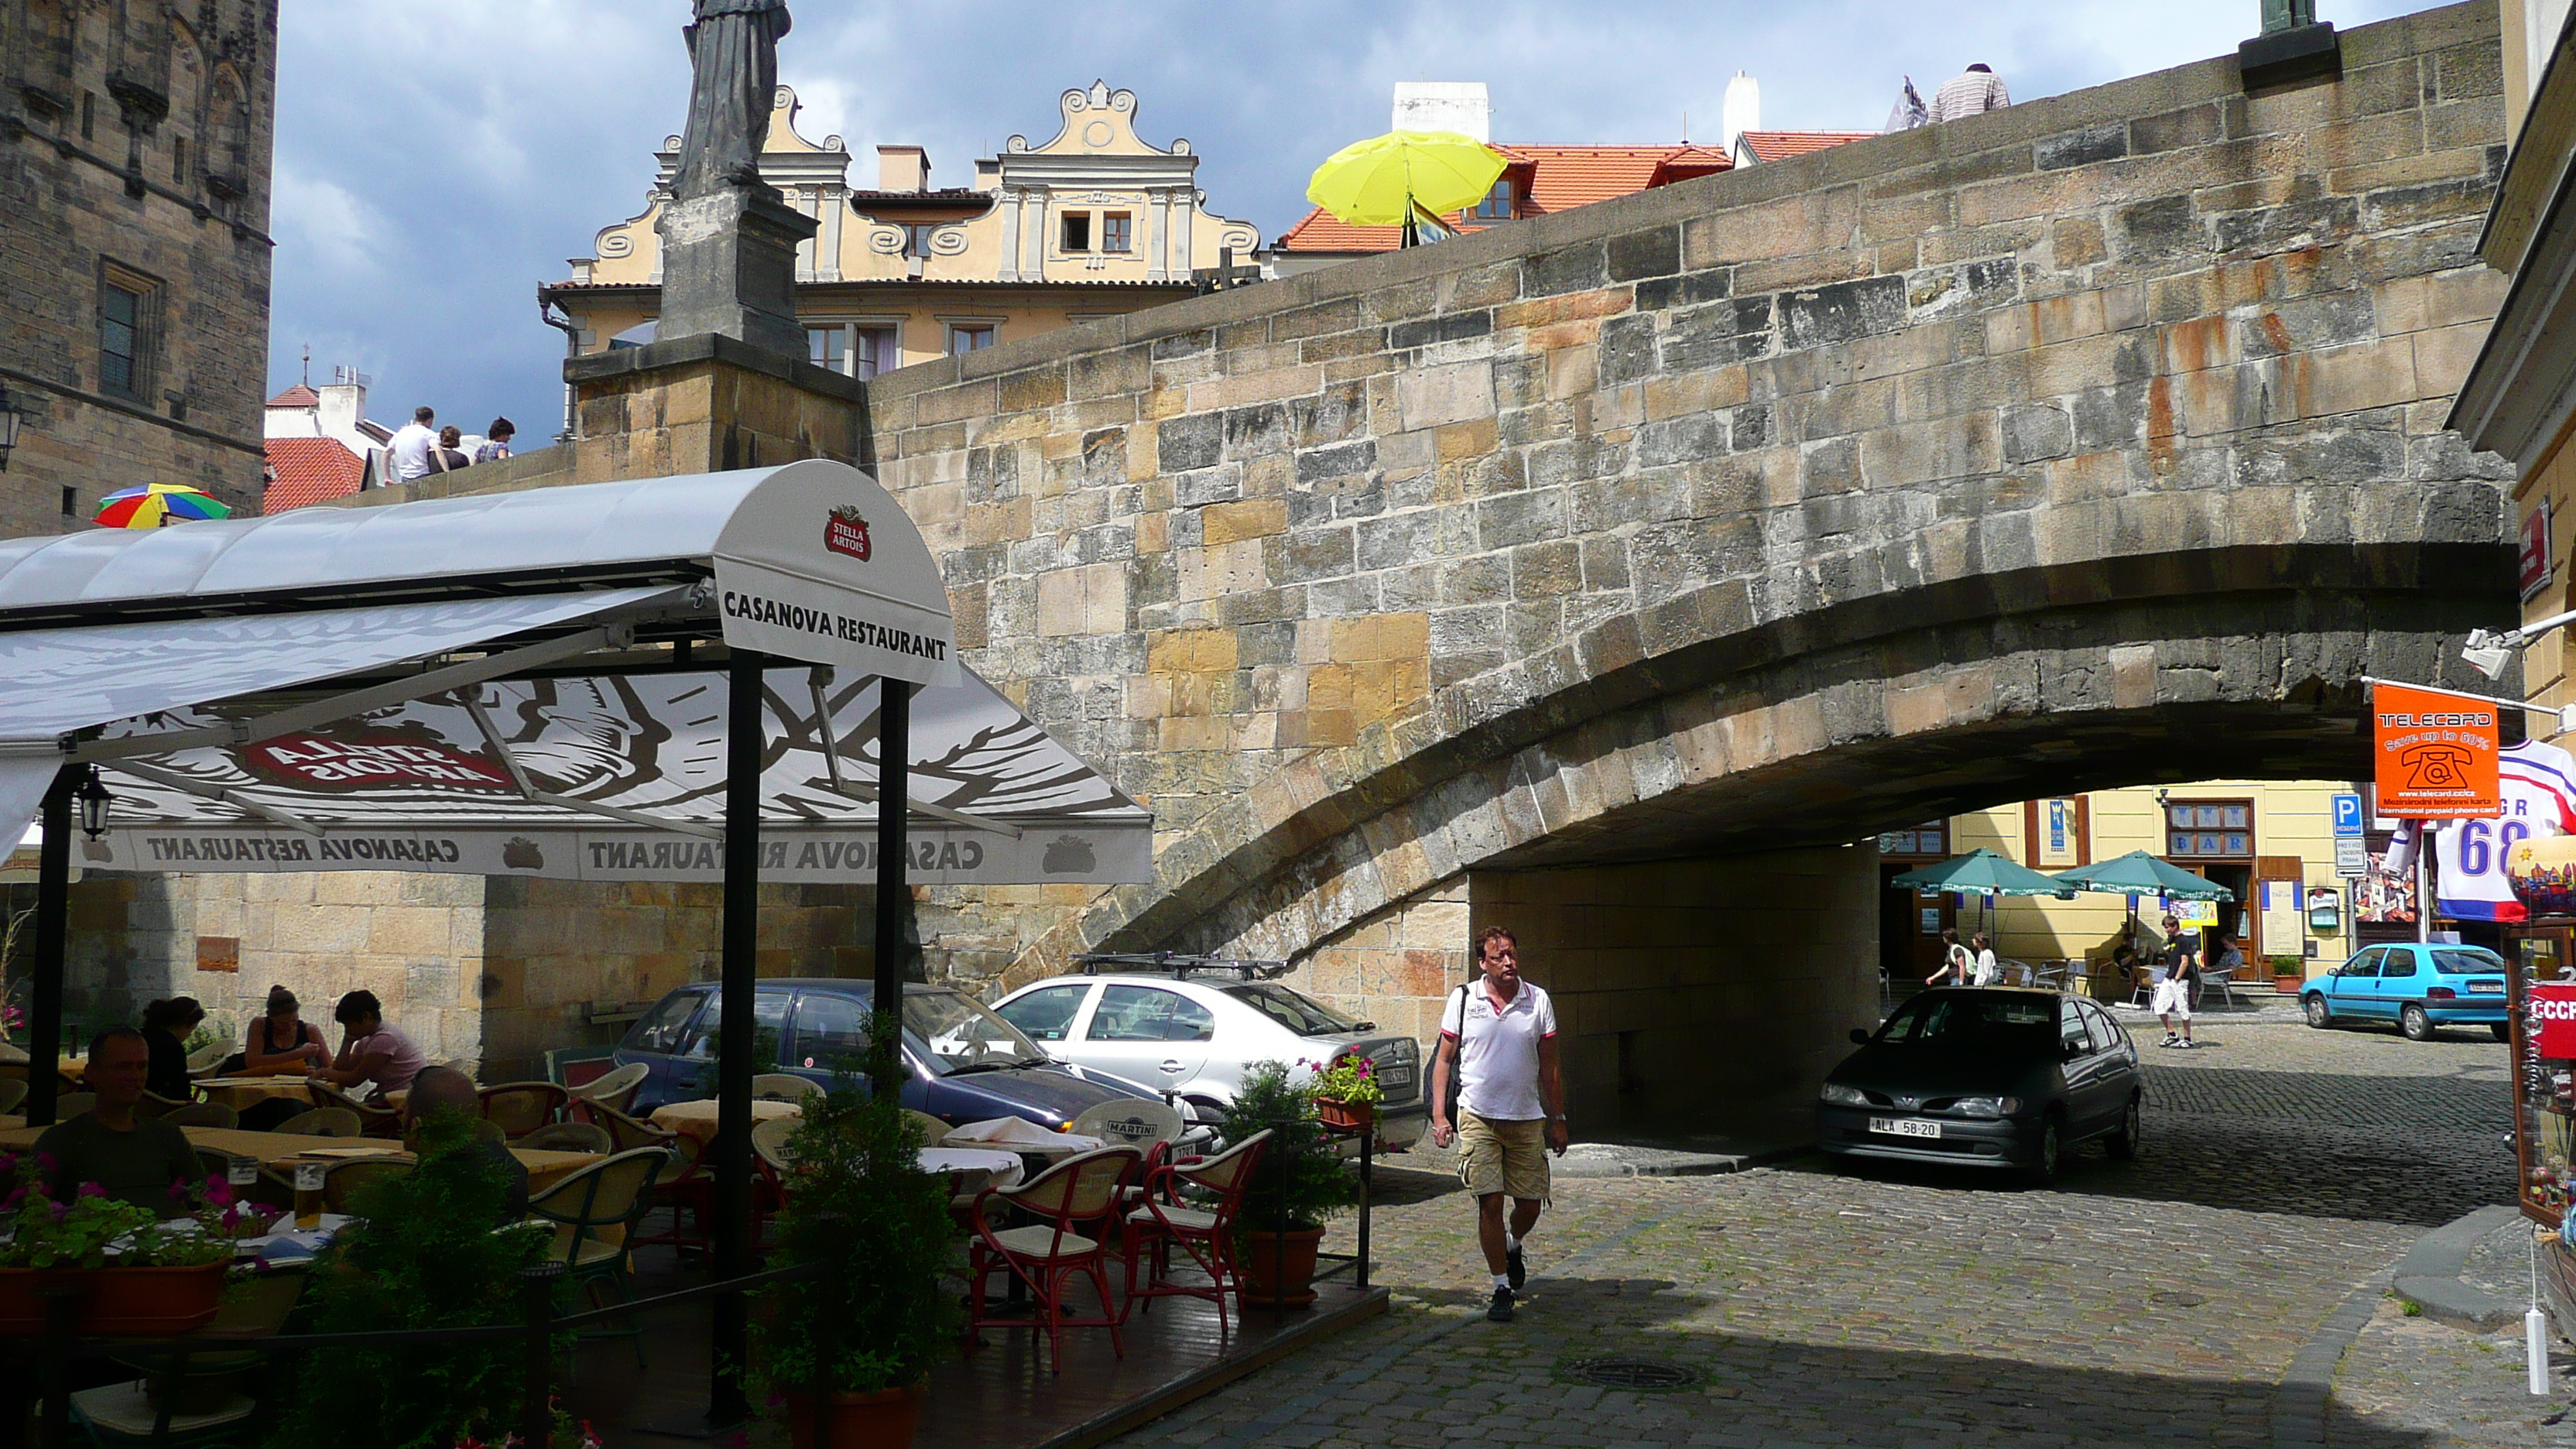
(372, 760)
(846, 532)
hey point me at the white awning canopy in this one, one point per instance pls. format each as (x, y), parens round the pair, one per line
(529, 683)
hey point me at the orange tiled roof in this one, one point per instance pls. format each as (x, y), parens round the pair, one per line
(1550, 179)
(298, 396)
(1781, 145)
(308, 470)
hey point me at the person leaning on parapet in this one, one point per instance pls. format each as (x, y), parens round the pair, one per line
(411, 444)
(1498, 1042)
(496, 442)
(1971, 92)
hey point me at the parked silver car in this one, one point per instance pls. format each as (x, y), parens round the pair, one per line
(1190, 1032)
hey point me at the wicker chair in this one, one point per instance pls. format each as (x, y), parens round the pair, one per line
(568, 1137)
(153, 1104)
(614, 1192)
(615, 1091)
(202, 1114)
(934, 1130)
(13, 1090)
(372, 1121)
(343, 1181)
(1205, 1232)
(1073, 1204)
(521, 1107)
(322, 1122)
(782, 1087)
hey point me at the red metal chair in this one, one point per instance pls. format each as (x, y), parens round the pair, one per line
(1205, 1233)
(1074, 1203)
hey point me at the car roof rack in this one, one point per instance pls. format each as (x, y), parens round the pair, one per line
(1180, 964)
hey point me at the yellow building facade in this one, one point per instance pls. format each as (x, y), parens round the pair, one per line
(1094, 223)
(2270, 842)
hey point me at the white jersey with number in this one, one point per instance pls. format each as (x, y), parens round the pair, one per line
(2538, 795)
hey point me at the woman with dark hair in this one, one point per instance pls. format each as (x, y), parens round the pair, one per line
(280, 1042)
(371, 1051)
(496, 441)
(166, 1027)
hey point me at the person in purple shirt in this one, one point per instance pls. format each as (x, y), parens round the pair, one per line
(371, 1051)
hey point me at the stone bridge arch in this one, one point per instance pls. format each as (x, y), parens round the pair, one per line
(2109, 423)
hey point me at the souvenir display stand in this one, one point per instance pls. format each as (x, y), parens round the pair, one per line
(2541, 983)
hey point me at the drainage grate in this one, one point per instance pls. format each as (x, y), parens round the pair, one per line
(1632, 1373)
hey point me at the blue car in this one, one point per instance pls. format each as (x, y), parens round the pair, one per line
(2421, 988)
(961, 1062)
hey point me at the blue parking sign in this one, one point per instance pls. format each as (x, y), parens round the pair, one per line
(2347, 815)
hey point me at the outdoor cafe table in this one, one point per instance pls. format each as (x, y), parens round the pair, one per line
(279, 1151)
(243, 1093)
(698, 1119)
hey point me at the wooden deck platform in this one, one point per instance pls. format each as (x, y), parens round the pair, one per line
(999, 1396)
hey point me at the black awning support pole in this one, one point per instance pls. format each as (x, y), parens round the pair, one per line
(53, 913)
(894, 791)
(746, 742)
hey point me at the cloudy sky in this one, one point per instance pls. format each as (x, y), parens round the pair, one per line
(437, 159)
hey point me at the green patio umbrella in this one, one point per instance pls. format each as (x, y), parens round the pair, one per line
(1982, 873)
(2140, 874)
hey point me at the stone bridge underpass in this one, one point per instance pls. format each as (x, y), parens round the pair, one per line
(1607, 574)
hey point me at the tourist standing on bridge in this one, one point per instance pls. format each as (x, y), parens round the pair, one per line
(1498, 1043)
(1971, 92)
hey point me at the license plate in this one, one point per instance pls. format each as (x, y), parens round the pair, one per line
(1395, 1077)
(1900, 1127)
(2486, 988)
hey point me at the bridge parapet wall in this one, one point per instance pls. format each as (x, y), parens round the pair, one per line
(1283, 556)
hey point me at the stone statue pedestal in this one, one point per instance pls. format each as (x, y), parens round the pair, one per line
(729, 268)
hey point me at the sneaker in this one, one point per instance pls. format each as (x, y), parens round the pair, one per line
(1501, 1309)
(2187, 1044)
(1515, 1268)
(2170, 1039)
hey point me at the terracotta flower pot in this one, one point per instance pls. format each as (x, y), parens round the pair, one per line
(1277, 1273)
(884, 1420)
(1345, 1114)
(142, 1302)
(2288, 985)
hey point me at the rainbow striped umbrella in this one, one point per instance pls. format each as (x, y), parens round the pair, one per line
(158, 505)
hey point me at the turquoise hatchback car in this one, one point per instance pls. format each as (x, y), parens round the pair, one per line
(2421, 988)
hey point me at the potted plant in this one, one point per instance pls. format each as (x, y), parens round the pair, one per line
(2289, 973)
(422, 1253)
(138, 1274)
(853, 1343)
(1299, 1186)
(1346, 1092)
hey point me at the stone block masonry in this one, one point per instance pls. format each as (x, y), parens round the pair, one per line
(1527, 542)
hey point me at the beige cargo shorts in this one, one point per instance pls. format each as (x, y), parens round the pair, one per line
(1503, 1155)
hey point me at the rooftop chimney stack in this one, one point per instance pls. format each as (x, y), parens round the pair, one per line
(1743, 110)
(1458, 106)
(903, 168)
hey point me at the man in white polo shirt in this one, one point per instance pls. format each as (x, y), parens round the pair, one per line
(1498, 1036)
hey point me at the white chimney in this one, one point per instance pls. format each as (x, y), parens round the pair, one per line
(903, 168)
(1743, 110)
(1458, 106)
(344, 406)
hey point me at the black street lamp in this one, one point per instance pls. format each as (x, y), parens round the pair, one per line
(10, 418)
(93, 799)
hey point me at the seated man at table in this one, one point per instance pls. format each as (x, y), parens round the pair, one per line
(371, 1051)
(446, 1090)
(135, 1159)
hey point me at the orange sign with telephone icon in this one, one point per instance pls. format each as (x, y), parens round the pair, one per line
(2434, 752)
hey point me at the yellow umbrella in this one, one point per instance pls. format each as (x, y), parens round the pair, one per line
(1383, 180)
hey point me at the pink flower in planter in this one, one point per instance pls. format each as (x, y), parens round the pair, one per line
(92, 1189)
(45, 1162)
(219, 1192)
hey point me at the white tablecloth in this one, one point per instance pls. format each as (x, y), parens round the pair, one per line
(1005, 1166)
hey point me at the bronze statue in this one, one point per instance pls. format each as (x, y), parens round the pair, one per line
(733, 57)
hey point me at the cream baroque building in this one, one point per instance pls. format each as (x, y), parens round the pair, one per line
(1093, 223)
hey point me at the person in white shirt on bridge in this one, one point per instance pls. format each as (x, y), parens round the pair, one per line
(1971, 92)
(411, 444)
(1498, 1041)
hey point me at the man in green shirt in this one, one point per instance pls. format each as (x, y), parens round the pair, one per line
(135, 1159)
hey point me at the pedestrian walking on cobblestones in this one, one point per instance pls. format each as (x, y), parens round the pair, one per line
(2178, 978)
(1498, 1044)
(1987, 970)
(1956, 963)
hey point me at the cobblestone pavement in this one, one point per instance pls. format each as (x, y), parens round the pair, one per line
(2159, 1302)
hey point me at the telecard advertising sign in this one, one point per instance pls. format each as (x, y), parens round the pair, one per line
(2434, 754)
